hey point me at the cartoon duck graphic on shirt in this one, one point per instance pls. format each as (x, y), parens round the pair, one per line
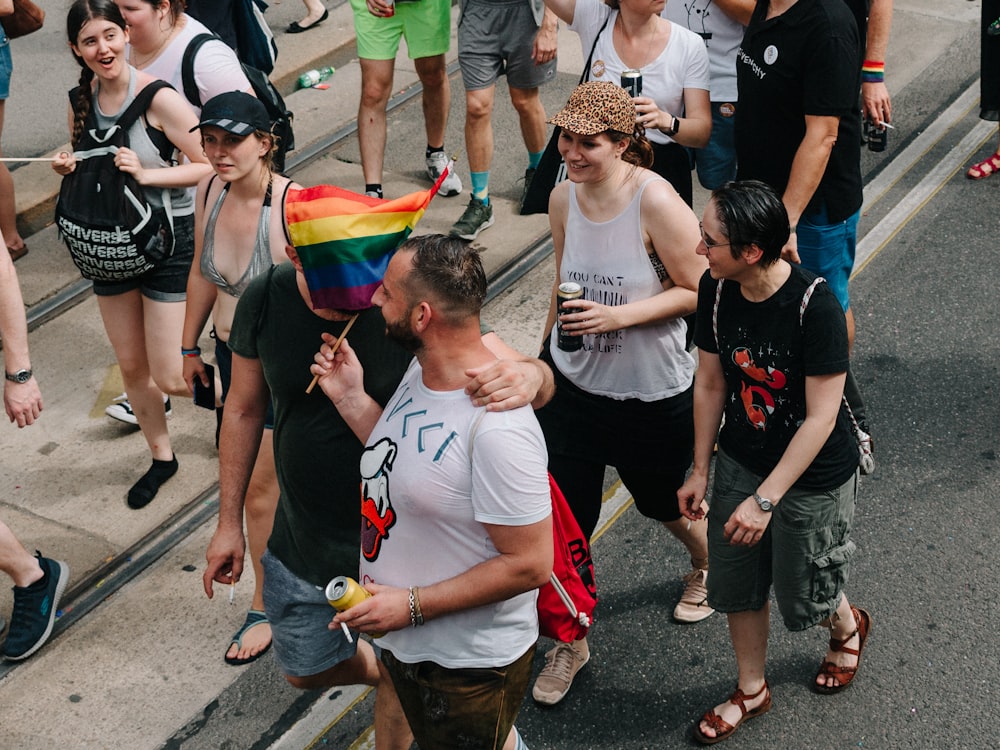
(377, 514)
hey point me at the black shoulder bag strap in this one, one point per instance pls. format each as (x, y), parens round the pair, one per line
(593, 48)
(191, 92)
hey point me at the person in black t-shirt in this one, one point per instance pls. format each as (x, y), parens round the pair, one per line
(773, 357)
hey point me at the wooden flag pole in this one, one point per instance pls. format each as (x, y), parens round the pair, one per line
(336, 346)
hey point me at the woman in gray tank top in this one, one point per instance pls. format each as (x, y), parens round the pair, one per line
(243, 193)
(142, 314)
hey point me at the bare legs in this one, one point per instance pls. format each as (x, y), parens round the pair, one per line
(376, 85)
(392, 732)
(8, 209)
(260, 504)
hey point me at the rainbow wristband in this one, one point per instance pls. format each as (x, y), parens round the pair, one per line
(196, 352)
(873, 71)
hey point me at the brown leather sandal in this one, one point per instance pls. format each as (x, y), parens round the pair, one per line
(17, 254)
(985, 168)
(844, 675)
(724, 730)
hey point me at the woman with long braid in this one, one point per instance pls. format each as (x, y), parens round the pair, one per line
(143, 316)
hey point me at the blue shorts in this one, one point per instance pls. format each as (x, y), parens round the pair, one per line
(716, 162)
(805, 551)
(168, 281)
(6, 66)
(828, 249)
(299, 614)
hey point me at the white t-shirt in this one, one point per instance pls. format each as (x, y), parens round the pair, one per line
(683, 63)
(217, 69)
(424, 503)
(722, 36)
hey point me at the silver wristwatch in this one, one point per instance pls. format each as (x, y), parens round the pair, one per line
(21, 376)
(763, 503)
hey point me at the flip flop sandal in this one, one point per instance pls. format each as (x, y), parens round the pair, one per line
(18, 253)
(724, 730)
(844, 675)
(254, 618)
(984, 168)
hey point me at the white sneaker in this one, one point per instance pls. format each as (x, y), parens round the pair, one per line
(436, 163)
(121, 409)
(561, 665)
(693, 604)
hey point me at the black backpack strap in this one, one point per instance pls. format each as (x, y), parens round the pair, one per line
(284, 218)
(187, 67)
(140, 104)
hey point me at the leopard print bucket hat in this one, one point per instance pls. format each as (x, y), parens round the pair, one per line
(597, 106)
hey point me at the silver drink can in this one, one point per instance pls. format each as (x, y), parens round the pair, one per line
(568, 290)
(632, 82)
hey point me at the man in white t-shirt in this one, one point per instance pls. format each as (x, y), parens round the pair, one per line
(456, 512)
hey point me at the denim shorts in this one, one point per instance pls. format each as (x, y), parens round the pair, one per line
(6, 66)
(805, 551)
(224, 361)
(299, 615)
(426, 26)
(168, 281)
(496, 38)
(828, 249)
(716, 162)
(471, 709)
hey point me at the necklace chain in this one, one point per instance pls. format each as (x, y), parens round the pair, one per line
(649, 46)
(146, 59)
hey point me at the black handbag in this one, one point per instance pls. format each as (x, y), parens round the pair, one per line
(551, 169)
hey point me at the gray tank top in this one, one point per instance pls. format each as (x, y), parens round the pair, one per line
(260, 261)
(181, 199)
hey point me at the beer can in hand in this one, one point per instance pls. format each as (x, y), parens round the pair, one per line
(344, 592)
(632, 82)
(877, 137)
(567, 291)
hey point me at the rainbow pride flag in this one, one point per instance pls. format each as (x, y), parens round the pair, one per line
(345, 240)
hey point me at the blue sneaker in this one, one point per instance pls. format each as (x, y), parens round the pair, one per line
(35, 610)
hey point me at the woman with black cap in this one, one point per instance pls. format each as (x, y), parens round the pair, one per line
(244, 192)
(623, 396)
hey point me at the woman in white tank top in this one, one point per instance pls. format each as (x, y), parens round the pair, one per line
(623, 398)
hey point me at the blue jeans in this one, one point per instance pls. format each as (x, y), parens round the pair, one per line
(716, 162)
(828, 249)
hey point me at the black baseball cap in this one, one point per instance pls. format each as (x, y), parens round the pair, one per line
(236, 112)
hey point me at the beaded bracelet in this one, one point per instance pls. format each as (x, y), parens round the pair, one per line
(873, 71)
(416, 616)
(196, 352)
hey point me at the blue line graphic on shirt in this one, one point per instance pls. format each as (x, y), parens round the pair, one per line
(377, 515)
(757, 400)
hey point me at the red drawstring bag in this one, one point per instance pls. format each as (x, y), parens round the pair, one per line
(566, 603)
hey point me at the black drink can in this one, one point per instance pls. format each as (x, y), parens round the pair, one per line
(632, 82)
(567, 290)
(877, 136)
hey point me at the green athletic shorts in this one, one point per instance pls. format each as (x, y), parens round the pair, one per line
(425, 24)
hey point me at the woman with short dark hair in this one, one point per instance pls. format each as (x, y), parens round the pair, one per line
(772, 359)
